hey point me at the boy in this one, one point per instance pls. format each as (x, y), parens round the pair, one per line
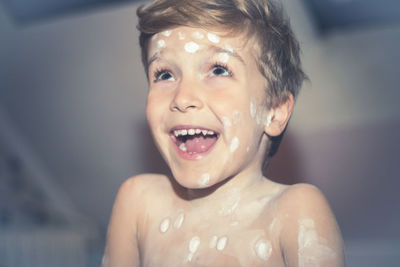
(223, 76)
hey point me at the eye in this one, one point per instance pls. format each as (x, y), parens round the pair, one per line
(163, 75)
(220, 70)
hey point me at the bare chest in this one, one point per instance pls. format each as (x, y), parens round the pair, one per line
(191, 239)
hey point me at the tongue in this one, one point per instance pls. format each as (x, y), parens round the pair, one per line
(200, 144)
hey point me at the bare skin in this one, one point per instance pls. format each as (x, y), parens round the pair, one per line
(217, 209)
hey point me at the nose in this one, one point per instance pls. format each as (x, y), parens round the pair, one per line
(187, 97)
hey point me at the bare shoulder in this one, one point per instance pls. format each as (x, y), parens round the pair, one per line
(126, 219)
(311, 234)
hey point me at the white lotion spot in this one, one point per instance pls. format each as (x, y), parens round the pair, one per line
(183, 147)
(269, 120)
(253, 110)
(229, 48)
(234, 144)
(236, 116)
(166, 33)
(226, 122)
(222, 243)
(230, 203)
(223, 57)
(191, 47)
(193, 246)
(179, 220)
(164, 225)
(311, 252)
(213, 38)
(213, 241)
(154, 37)
(198, 35)
(160, 44)
(181, 36)
(205, 179)
(263, 249)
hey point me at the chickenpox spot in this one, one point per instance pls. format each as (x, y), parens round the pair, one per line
(230, 203)
(179, 220)
(198, 35)
(311, 252)
(263, 249)
(235, 223)
(229, 48)
(160, 44)
(269, 120)
(258, 118)
(191, 47)
(222, 243)
(204, 180)
(253, 109)
(236, 116)
(247, 149)
(234, 144)
(166, 33)
(223, 57)
(164, 226)
(275, 227)
(213, 241)
(181, 36)
(226, 122)
(193, 246)
(213, 38)
(154, 37)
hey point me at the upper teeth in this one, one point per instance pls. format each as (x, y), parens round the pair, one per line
(184, 132)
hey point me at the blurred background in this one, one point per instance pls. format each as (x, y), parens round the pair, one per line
(72, 124)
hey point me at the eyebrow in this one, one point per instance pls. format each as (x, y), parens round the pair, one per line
(213, 48)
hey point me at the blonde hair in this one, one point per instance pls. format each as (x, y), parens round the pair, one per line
(278, 60)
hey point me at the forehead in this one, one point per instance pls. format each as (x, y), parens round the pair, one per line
(196, 40)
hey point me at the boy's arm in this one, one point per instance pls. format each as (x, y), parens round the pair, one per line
(310, 236)
(122, 245)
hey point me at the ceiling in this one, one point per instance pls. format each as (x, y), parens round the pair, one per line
(328, 15)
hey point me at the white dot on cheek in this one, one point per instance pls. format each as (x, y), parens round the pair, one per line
(234, 144)
(191, 47)
(226, 122)
(213, 38)
(253, 110)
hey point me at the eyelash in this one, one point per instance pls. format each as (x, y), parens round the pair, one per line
(161, 71)
(223, 66)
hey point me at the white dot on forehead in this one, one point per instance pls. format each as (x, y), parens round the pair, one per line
(213, 38)
(181, 36)
(263, 249)
(229, 48)
(191, 47)
(160, 44)
(198, 35)
(166, 33)
(223, 57)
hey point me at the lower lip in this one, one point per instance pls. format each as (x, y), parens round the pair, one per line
(189, 156)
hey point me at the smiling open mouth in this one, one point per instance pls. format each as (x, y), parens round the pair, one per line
(193, 140)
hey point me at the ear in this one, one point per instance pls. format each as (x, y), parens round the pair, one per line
(278, 117)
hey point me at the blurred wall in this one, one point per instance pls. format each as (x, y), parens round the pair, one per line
(75, 89)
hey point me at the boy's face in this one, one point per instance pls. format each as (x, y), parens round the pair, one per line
(205, 105)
